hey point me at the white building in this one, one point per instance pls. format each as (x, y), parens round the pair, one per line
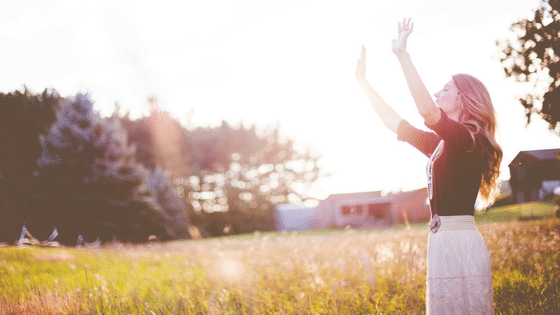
(294, 217)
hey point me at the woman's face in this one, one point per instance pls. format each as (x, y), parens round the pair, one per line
(446, 99)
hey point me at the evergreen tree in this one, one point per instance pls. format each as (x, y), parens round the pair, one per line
(90, 182)
(172, 208)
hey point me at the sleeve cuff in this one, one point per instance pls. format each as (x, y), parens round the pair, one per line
(442, 118)
(403, 130)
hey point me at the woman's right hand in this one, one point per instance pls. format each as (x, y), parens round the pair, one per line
(361, 66)
(405, 28)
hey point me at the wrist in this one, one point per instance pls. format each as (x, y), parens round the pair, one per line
(362, 81)
(402, 55)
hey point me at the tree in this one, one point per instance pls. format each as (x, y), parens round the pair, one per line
(172, 208)
(231, 178)
(160, 141)
(91, 184)
(240, 174)
(534, 57)
(24, 116)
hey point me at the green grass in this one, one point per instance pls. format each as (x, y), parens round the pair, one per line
(526, 211)
(518, 212)
(331, 272)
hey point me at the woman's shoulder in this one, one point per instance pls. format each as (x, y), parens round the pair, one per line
(455, 134)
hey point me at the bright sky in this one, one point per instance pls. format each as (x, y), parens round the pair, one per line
(262, 61)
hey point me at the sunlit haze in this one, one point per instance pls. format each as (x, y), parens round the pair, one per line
(264, 61)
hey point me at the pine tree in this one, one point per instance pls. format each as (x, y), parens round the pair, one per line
(91, 184)
(173, 208)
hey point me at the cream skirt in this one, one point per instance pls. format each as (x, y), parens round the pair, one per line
(459, 280)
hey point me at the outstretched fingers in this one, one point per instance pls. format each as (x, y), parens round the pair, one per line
(409, 25)
(406, 26)
(361, 66)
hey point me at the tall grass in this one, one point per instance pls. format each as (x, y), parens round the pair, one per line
(343, 272)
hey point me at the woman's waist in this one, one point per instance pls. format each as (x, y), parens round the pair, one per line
(456, 222)
(450, 210)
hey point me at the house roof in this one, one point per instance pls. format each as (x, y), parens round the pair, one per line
(357, 195)
(372, 194)
(293, 207)
(535, 156)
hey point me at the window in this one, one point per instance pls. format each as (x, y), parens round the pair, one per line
(352, 209)
(358, 209)
(378, 211)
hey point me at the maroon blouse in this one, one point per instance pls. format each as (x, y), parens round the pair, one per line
(457, 169)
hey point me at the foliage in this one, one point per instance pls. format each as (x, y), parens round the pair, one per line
(90, 183)
(160, 141)
(89, 180)
(231, 177)
(534, 56)
(24, 116)
(337, 272)
(240, 174)
(172, 208)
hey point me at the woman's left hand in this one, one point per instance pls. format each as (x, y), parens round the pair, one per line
(361, 66)
(405, 28)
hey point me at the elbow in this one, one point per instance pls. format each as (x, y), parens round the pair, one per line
(425, 114)
(431, 115)
(428, 111)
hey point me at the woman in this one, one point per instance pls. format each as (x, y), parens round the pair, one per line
(464, 161)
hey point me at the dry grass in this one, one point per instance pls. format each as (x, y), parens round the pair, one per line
(340, 272)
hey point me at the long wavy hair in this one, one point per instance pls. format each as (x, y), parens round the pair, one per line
(478, 114)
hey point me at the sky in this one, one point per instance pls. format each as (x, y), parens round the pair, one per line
(267, 61)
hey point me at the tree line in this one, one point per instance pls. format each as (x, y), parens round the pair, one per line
(64, 166)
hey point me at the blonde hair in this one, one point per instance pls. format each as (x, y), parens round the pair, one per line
(478, 114)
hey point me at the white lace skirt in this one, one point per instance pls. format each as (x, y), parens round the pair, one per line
(459, 280)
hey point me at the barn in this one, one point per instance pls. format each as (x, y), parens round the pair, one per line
(372, 209)
(534, 174)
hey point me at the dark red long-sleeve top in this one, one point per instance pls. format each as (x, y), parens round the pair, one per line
(456, 170)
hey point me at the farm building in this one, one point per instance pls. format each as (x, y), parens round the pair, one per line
(534, 174)
(372, 209)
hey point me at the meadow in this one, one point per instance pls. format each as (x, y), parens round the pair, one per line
(322, 272)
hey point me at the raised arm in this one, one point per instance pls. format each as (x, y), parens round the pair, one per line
(388, 115)
(424, 102)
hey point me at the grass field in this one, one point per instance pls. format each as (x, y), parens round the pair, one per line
(327, 272)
